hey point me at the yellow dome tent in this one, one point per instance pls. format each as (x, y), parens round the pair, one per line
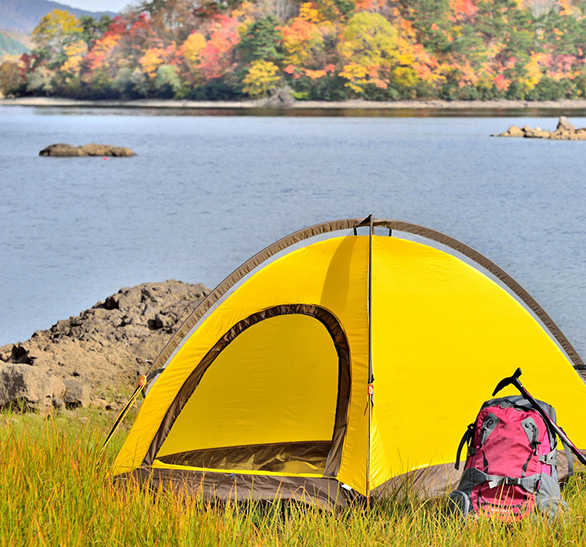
(346, 363)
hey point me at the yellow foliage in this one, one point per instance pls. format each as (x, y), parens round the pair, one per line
(55, 30)
(151, 60)
(261, 78)
(75, 53)
(369, 40)
(57, 22)
(245, 13)
(193, 45)
(308, 13)
(359, 76)
(534, 73)
(405, 76)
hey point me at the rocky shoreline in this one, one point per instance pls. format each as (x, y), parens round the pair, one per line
(272, 103)
(95, 358)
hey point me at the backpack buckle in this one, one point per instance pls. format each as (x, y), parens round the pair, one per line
(512, 481)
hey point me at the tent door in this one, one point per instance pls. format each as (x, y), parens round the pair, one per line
(270, 396)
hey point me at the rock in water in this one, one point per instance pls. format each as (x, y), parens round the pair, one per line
(62, 150)
(565, 131)
(565, 125)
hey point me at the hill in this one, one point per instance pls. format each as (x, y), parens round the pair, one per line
(13, 43)
(23, 15)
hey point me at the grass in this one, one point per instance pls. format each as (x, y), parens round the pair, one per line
(52, 492)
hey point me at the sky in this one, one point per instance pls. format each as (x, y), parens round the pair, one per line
(97, 5)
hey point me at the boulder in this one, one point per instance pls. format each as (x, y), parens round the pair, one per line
(58, 386)
(25, 387)
(536, 133)
(101, 150)
(281, 97)
(60, 150)
(513, 131)
(77, 393)
(565, 125)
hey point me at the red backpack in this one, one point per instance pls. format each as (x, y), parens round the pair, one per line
(511, 468)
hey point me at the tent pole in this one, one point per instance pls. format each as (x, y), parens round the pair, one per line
(370, 387)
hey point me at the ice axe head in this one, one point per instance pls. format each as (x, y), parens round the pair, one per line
(514, 379)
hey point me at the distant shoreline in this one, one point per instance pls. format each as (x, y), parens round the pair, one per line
(357, 104)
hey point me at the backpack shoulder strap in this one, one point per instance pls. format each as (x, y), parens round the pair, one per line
(569, 457)
(465, 439)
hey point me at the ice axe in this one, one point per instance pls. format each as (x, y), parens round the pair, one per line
(514, 380)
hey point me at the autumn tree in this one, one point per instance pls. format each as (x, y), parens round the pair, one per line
(302, 42)
(54, 33)
(10, 78)
(368, 47)
(261, 78)
(172, 20)
(93, 29)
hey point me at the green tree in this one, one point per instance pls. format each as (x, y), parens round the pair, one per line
(261, 41)
(167, 82)
(430, 20)
(93, 30)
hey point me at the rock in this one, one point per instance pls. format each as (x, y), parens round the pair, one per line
(536, 133)
(25, 387)
(60, 150)
(18, 354)
(101, 404)
(77, 393)
(106, 150)
(101, 150)
(58, 404)
(565, 131)
(513, 131)
(281, 98)
(565, 125)
(57, 386)
(106, 344)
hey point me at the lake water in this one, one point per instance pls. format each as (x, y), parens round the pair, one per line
(205, 192)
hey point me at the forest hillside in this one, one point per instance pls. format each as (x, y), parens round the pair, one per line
(318, 50)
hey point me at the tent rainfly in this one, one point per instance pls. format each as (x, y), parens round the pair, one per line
(347, 365)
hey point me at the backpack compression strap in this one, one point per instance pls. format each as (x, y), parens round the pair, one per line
(472, 477)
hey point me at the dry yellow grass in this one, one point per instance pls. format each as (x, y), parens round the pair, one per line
(52, 492)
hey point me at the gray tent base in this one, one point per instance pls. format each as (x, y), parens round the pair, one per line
(327, 493)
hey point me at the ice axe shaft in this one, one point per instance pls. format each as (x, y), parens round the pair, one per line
(514, 380)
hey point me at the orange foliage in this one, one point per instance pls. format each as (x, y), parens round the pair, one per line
(463, 9)
(153, 58)
(300, 39)
(216, 57)
(369, 5)
(102, 50)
